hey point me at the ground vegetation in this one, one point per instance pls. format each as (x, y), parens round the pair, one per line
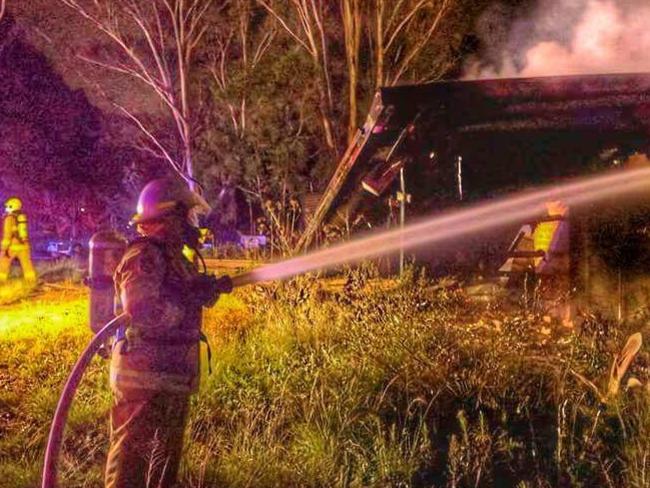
(405, 383)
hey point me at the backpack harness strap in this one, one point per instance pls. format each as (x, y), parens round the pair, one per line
(120, 334)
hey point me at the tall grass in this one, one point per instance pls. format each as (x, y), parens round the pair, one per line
(412, 385)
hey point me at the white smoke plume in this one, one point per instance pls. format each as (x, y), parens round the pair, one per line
(566, 37)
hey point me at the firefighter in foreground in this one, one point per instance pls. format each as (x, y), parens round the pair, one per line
(15, 241)
(155, 360)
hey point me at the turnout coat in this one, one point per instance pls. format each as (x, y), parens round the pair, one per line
(160, 348)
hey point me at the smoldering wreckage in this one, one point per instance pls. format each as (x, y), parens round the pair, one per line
(477, 140)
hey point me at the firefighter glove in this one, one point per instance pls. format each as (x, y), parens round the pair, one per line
(206, 290)
(224, 284)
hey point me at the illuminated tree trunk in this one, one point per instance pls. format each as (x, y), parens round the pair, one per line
(352, 30)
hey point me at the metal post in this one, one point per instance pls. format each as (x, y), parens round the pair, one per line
(459, 176)
(402, 218)
(619, 311)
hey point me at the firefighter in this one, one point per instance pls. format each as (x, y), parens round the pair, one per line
(155, 360)
(552, 235)
(541, 251)
(15, 241)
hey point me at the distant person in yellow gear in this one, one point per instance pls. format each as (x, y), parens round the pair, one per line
(15, 241)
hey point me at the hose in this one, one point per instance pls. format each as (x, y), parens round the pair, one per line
(55, 438)
(67, 395)
(247, 278)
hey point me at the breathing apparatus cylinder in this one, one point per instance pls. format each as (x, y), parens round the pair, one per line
(106, 251)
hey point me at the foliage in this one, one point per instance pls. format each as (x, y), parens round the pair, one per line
(405, 383)
(56, 151)
(264, 101)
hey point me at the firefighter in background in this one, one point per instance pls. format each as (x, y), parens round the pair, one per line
(541, 251)
(15, 241)
(155, 360)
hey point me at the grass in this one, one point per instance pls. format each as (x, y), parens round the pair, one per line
(416, 385)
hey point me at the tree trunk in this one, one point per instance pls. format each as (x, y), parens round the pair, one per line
(325, 120)
(379, 44)
(352, 31)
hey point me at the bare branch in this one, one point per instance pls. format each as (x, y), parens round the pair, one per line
(151, 62)
(154, 49)
(284, 24)
(112, 67)
(317, 14)
(397, 8)
(406, 20)
(422, 42)
(165, 154)
(263, 47)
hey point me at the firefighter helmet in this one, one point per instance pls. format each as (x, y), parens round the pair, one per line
(13, 205)
(163, 196)
(556, 208)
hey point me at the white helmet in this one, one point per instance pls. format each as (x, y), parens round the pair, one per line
(163, 196)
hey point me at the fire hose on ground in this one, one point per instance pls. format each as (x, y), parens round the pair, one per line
(55, 439)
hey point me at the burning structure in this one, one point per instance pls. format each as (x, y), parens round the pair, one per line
(470, 140)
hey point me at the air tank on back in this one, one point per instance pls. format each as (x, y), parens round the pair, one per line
(106, 251)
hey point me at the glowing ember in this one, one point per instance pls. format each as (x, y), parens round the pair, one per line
(458, 223)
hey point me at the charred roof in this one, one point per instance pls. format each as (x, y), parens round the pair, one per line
(613, 101)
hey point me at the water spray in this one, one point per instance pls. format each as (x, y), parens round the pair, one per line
(457, 223)
(443, 227)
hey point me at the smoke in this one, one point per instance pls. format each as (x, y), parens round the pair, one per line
(565, 37)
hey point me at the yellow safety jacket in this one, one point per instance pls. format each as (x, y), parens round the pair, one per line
(541, 247)
(15, 237)
(160, 348)
(551, 235)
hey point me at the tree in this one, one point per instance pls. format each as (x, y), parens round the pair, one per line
(408, 40)
(237, 51)
(401, 35)
(278, 66)
(305, 23)
(52, 152)
(255, 94)
(154, 42)
(352, 28)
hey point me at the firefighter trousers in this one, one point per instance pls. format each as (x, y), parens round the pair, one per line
(23, 256)
(146, 439)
